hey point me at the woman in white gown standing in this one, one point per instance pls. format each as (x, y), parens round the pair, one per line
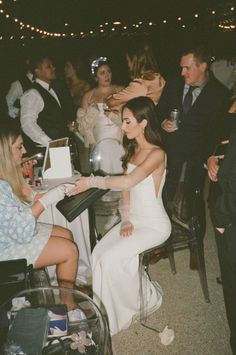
(144, 224)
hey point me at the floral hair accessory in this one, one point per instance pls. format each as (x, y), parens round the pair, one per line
(96, 62)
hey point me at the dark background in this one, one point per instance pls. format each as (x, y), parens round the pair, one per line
(167, 40)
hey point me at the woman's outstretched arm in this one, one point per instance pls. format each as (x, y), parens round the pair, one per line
(124, 182)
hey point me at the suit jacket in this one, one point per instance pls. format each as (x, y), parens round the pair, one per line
(200, 127)
(223, 209)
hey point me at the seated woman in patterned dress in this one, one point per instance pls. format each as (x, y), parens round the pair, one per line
(21, 235)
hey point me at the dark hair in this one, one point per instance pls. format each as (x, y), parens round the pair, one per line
(200, 54)
(143, 61)
(36, 60)
(10, 128)
(142, 108)
(80, 66)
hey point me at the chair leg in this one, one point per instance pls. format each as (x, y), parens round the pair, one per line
(170, 253)
(199, 250)
(41, 280)
(142, 288)
(197, 247)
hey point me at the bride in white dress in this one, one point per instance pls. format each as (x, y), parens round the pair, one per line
(145, 223)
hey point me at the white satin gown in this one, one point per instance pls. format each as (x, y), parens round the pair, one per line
(115, 259)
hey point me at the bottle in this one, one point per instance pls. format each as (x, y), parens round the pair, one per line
(40, 177)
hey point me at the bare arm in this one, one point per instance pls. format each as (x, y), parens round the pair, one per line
(154, 160)
(85, 100)
(134, 89)
(37, 208)
(127, 227)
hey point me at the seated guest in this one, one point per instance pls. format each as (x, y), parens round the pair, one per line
(145, 76)
(21, 236)
(45, 110)
(144, 224)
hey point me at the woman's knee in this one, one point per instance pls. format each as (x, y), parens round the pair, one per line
(69, 234)
(59, 231)
(72, 250)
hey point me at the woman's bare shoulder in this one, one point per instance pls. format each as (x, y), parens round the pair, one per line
(157, 151)
(156, 155)
(152, 156)
(86, 98)
(88, 94)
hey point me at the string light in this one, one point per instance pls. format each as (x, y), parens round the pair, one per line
(226, 24)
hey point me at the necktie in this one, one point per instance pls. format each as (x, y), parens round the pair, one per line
(188, 99)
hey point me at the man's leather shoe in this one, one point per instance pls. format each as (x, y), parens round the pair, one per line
(193, 262)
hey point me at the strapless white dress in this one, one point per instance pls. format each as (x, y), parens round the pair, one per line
(107, 153)
(115, 259)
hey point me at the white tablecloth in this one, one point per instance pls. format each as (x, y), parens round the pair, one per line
(80, 229)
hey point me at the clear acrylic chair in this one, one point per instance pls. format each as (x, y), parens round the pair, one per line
(85, 316)
(182, 236)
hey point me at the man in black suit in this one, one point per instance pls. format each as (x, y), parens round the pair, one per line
(223, 215)
(201, 100)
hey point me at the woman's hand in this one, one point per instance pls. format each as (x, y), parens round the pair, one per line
(126, 229)
(81, 185)
(73, 126)
(213, 167)
(221, 230)
(232, 109)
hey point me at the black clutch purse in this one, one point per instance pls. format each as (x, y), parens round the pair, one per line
(72, 207)
(28, 331)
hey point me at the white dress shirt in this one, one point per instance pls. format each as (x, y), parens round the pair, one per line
(31, 105)
(14, 93)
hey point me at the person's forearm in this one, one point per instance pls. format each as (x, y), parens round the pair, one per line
(111, 102)
(37, 208)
